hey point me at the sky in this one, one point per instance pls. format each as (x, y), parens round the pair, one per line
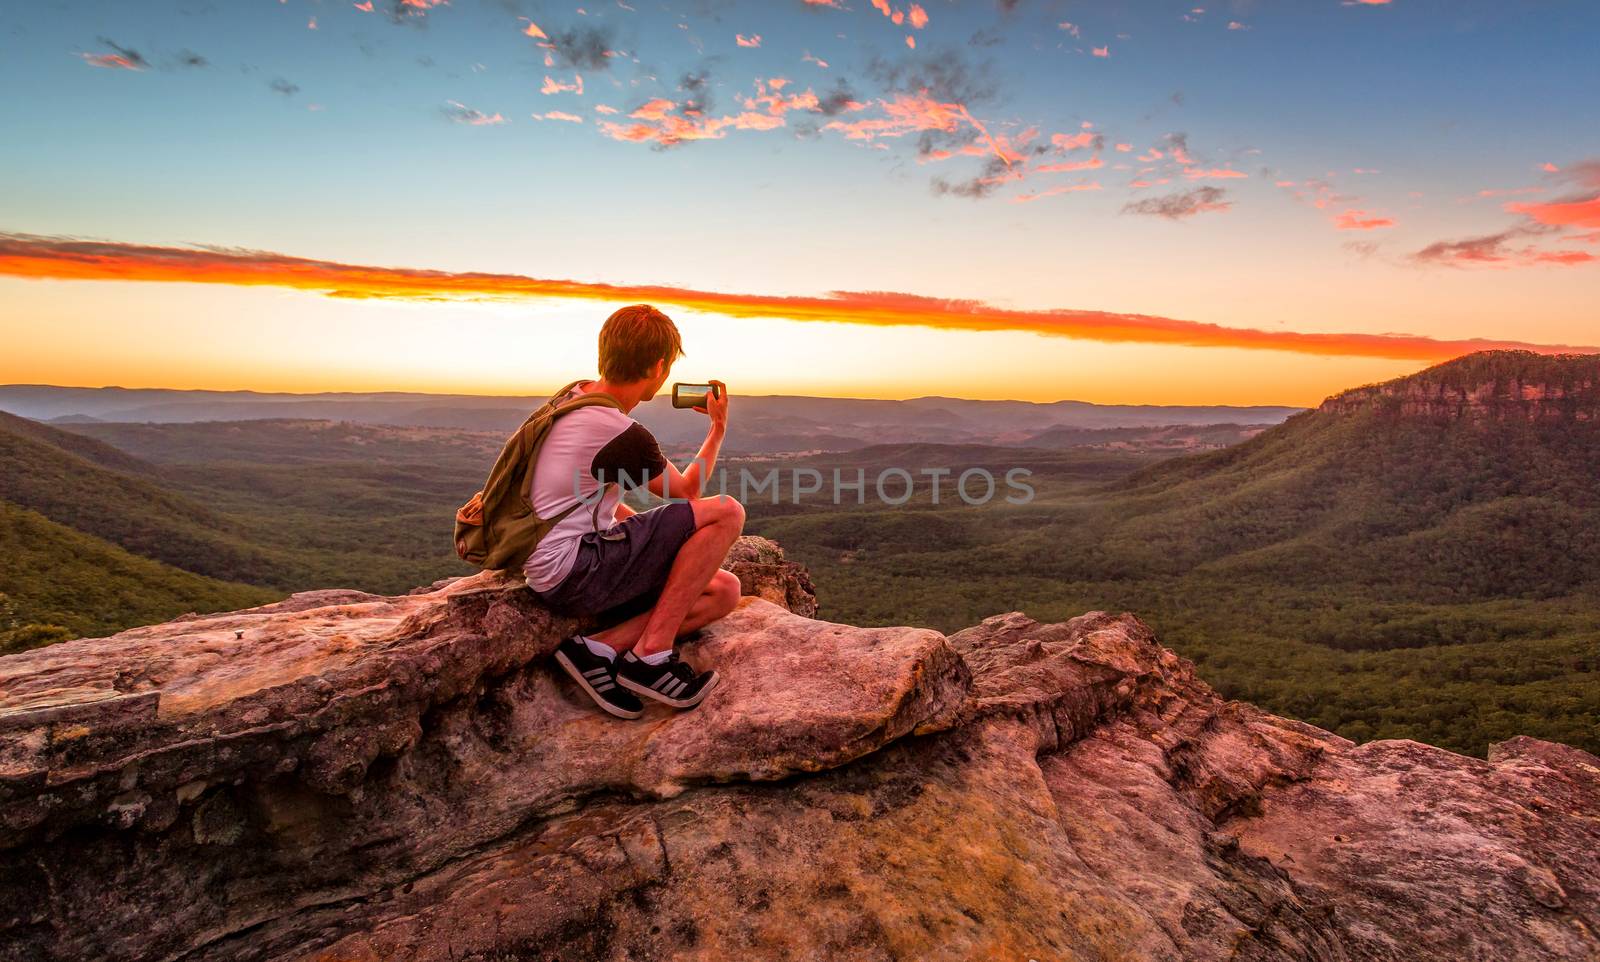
(1237, 202)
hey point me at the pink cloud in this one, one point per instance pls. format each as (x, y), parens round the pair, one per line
(1567, 213)
(1216, 173)
(754, 40)
(552, 86)
(559, 115)
(1053, 191)
(918, 17)
(1101, 51)
(1073, 141)
(1360, 220)
(112, 60)
(462, 114)
(1093, 163)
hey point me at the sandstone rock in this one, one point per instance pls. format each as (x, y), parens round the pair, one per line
(765, 574)
(407, 779)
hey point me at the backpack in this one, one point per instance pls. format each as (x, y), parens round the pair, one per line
(498, 528)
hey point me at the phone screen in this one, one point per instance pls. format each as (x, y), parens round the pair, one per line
(689, 395)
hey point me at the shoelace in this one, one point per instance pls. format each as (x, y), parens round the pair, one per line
(678, 669)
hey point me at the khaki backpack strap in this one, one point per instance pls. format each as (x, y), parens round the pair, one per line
(525, 479)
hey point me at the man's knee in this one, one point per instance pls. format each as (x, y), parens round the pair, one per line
(719, 509)
(725, 589)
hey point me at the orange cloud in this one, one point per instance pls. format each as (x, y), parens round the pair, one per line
(1569, 213)
(1360, 220)
(918, 17)
(34, 257)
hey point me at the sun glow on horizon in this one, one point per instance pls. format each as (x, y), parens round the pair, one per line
(194, 336)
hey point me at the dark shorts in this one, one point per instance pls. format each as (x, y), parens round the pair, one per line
(619, 572)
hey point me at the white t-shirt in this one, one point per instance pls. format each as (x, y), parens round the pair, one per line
(584, 448)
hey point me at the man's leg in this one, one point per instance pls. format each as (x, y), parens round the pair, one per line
(719, 597)
(718, 521)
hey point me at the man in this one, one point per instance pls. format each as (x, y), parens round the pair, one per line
(649, 577)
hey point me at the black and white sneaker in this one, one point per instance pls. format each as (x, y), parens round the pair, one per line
(672, 682)
(594, 675)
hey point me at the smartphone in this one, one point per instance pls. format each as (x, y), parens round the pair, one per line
(693, 395)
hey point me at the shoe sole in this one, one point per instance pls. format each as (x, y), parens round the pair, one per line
(646, 692)
(577, 676)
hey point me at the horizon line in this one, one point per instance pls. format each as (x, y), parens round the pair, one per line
(807, 397)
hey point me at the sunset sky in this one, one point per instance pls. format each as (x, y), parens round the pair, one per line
(1231, 202)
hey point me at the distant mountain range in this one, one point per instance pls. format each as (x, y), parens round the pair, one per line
(761, 424)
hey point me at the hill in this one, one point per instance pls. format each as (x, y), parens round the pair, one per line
(66, 478)
(1476, 479)
(58, 583)
(278, 506)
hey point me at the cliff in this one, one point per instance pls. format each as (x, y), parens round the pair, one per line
(343, 776)
(1489, 385)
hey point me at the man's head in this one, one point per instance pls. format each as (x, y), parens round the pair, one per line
(639, 343)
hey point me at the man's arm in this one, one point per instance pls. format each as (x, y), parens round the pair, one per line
(688, 484)
(623, 511)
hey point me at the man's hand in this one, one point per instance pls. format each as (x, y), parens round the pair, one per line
(716, 408)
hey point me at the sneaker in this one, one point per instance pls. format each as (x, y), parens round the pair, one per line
(672, 682)
(594, 675)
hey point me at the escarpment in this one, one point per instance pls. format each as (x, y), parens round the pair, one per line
(343, 776)
(1508, 386)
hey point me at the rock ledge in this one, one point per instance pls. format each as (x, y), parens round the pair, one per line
(343, 776)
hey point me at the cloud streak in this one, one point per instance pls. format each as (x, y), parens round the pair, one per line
(55, 258)
(1184, 204)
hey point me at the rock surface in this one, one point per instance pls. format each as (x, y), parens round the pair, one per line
(365, 778)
